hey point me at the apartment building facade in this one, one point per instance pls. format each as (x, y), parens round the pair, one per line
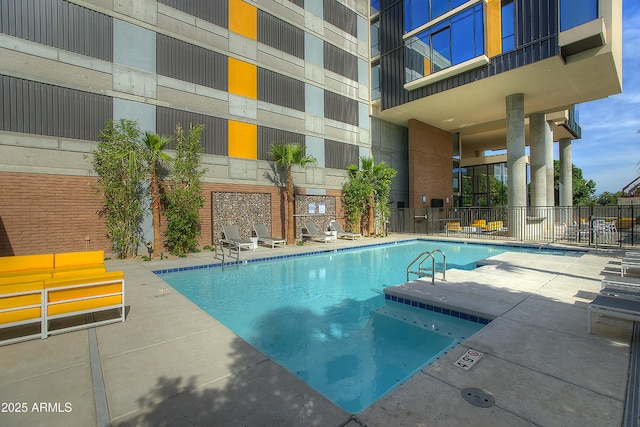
(430, 87)
(254, 73)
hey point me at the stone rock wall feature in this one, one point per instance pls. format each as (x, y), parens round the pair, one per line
(321, 220)
(240, 209)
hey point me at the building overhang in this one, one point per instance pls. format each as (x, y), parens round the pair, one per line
(477, 110)
(582, 38)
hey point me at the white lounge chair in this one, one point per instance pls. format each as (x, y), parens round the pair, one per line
(313, 233)
(233, 239)
(612, 306)
(629, 263)
(264, 237)
(335, 226)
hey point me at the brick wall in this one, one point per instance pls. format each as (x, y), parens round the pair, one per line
(50, 213)
(42, 213)
(430, 153)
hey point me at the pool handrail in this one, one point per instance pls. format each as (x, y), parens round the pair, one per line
(421, 271)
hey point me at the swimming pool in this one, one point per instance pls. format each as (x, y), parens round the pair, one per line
(324, 318)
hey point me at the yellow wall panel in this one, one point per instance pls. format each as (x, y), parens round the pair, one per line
(243, 19)
(427, 66)
(243, 140)
(243, 78)
(494, 28)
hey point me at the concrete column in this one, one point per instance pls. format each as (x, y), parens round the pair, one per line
(566, 172)
(516, 165)
(548, 142)
(537, 134)
(516, 159)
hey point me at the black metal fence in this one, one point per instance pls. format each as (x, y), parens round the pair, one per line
(580, 225)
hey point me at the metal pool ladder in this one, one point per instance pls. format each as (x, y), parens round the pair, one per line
(426, 271)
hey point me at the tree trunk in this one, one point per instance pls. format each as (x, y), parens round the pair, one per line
(371, 214)
(291, 222)
(155, 209)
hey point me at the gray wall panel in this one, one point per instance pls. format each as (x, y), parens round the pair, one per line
(280, 34)
(340, 61)
(215, 12)
(37, 108)
(280, 90)
(214, 137)
(341, 16)
(340, 108)
(269, 136)
(59, 24)
(194, 64)
(339, 155)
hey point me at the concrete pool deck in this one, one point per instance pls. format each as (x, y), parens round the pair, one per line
(172, 364)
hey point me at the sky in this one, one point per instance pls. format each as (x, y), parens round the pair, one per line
(609, 151)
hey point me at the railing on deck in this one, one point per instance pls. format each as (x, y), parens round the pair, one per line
(580, 225)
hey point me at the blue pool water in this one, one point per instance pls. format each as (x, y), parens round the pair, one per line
(324, 318)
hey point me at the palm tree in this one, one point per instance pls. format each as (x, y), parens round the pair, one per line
(155, 144)
(286, 156)
(377, 183)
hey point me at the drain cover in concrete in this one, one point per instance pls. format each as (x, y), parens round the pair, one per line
(478, 397)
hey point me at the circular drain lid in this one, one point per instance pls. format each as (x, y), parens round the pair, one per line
(478, 397)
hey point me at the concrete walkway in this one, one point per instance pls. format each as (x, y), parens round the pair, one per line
(172, 364)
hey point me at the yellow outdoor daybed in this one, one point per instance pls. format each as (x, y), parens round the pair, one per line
(38, 289)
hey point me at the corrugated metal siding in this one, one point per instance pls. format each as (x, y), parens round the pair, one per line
(280, 90)
(341, 16)
(214, 137)
(392, 54)
(340, 108)
(42, 109)
(59, 24)
(340, 61)
(215, 12)
(338, 155)
(280, 34)
(269, 136)
(184, 61)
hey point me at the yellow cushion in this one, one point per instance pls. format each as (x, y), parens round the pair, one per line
(71, 289)
(84, 279)
(65, 294)
(73, 259)
(479, 223)
(20, 315)
(20, 301)
(89, 304)
(24, 278)
(80, 271)
(15, 288)
(453, 226)
(26, 263)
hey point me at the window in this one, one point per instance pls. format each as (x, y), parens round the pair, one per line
(419, 12)
(577, 12)
(375, 6)
(375, 81)
(448, 43)
(508, 26)
(375, 39)
(441, 50)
